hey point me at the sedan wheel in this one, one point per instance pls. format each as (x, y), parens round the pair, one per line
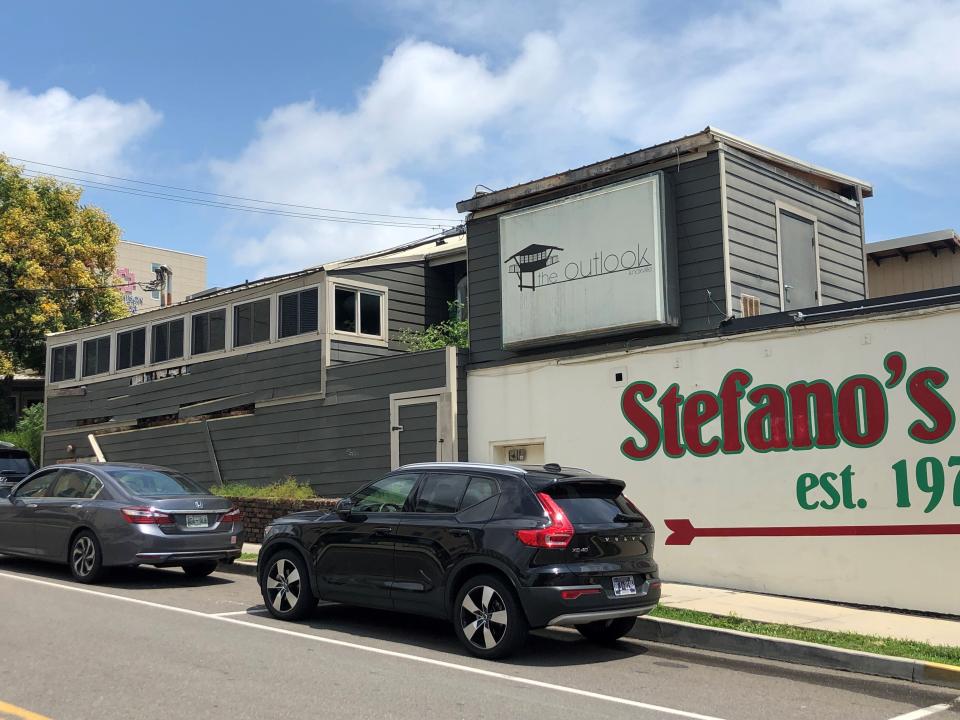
(286, 587)
(488, 618)
(86, 563)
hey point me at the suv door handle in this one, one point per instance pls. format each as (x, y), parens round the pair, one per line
(382, 531)
(460, 532)
(31, 505)
(76, 505)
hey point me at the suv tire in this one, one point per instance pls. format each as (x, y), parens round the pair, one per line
(606, 632)
(488, 619)
(285, 587)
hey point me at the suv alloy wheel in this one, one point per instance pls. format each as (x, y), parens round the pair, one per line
(488, 619)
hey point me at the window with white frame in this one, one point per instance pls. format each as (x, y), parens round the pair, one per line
(358, 312)
(251, 322)
(96, 356)
(209, 331)
(166, 341)
(63, 363)
(131, 348)
(298, 312)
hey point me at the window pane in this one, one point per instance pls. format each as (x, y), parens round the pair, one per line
(75, 484)
(39, 486)
(309, 310)
(200, 334)
(218, 329)
(123, 350)
(138, 353)
(103, 355)
(90, 357)
(176, 339)
(387, 495)
(57, 364)
(261, 321)
(289, 314)
(480, 489)
(70, 362)
(243, 324)
(345, 310)
(159, 339)
(370, 314)
(441, 493)
(154, 483)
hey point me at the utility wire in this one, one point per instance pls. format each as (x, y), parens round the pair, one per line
(137, 192)
(230, 197)
(143, 286)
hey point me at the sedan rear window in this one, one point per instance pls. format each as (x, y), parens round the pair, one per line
(592, 504)
(154, 483)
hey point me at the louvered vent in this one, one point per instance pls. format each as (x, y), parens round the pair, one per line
(749, 305)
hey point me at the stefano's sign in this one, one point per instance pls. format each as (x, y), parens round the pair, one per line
(746, 415)
(590, 263)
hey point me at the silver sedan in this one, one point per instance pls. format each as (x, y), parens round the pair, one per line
(94, 516)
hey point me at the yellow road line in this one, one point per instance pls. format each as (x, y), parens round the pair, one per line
(8, 710)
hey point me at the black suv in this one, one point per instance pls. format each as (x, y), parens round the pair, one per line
(496, 549)
(15, 465)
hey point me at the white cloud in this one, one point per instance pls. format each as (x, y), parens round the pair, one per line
(864, 87)
(90, 133)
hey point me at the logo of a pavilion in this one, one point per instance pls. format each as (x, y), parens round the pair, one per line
(530, 260)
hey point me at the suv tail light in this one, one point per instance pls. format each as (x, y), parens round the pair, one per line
(232, 515)
(146, 516)
(557, 534)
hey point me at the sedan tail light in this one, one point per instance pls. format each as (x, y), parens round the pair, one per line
(146, 516)
(557, 534)
(232, 515)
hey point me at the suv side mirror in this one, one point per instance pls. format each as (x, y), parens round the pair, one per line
(5, 492)
(345, 508)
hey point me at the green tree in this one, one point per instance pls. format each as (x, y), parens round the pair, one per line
(453, 331)
(52, 249)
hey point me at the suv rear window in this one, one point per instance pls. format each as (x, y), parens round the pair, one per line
(15, 462)
(591, 504)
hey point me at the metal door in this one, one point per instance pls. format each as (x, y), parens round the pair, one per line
(799, 261)
(420, 429)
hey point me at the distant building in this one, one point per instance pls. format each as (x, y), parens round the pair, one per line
(913, 263)
(137, 264)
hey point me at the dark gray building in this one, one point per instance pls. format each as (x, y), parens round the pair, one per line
(741, 230)
(298, 375)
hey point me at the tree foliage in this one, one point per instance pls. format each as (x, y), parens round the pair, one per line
(50, 245)
(28, 432)
(453, 331)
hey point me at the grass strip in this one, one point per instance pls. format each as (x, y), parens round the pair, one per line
(947, 654)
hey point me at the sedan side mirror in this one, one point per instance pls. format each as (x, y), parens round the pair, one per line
(345, 508)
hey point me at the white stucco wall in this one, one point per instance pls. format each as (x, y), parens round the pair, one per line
(575, 405)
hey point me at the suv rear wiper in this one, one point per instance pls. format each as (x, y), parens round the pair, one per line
(623, 517)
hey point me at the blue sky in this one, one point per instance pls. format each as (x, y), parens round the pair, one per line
(404, 107)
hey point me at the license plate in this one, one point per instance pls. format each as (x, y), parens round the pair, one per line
(624, 585)
(197, 521)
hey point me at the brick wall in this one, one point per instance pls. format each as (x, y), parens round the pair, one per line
(258, 512)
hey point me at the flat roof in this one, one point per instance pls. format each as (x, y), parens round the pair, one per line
(935, 240)
(685, 144)
(164, 249)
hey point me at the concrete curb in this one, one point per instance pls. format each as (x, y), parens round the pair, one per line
(674, 632)
(238, 567)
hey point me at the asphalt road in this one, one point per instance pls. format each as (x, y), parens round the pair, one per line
(151, 643)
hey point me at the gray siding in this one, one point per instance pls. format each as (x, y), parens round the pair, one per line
(461, 400)
(753, 188)
(230, 381)
(697, 220)
(417, 295)
(336, 444)
(347, 352)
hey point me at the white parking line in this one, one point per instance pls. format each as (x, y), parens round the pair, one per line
(254, 611)
(375, 650)
(927, 711)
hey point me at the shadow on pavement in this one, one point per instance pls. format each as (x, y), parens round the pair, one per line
(544, 648)
(124, 578)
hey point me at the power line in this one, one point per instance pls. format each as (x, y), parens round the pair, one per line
(143, 286)
(230, 197)
(137, 192)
